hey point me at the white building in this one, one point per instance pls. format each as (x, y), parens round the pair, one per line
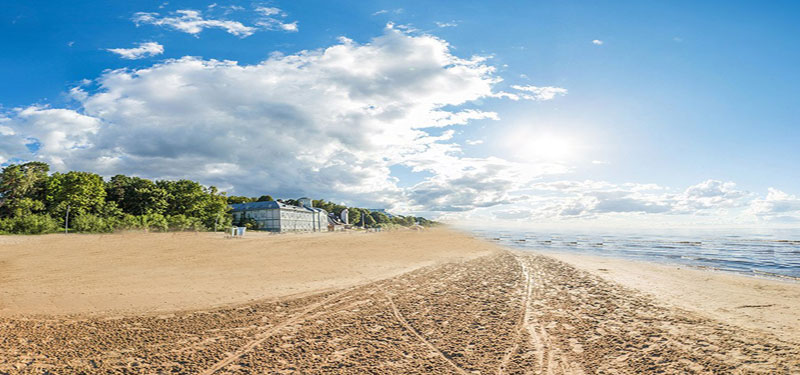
(280, 217)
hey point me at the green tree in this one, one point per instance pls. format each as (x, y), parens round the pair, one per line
(234, 199)
(136, 196)
(82, 192)
(354, 216)
(265, 198)
(369, 221)
(22, 188)
(184, 197)
(191, 199)
(379, 217)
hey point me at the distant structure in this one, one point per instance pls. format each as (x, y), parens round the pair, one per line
(279, 217)
(334, 224)
(345, 216)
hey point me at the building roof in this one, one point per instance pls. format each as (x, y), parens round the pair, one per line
(270, 205)
(266, 205)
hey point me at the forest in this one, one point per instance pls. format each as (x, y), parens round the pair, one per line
(35, 201)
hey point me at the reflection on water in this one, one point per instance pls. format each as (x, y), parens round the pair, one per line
(771, 253)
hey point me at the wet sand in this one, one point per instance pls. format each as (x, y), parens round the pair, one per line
(492, 312)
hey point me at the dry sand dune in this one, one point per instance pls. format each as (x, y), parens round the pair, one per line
(493, 312)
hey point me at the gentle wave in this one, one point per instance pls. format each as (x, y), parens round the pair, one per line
(773, 254)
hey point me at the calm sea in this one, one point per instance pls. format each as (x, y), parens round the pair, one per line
(774, 252)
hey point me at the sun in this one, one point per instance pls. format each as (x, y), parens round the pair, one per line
(541, 146)
(550, 147)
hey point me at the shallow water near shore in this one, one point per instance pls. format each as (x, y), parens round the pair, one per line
(771, 253)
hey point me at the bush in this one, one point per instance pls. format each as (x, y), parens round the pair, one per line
(390, 226)
(181, 223)
(129, 222)
(89, 223)
(154, 222)
(30, 224)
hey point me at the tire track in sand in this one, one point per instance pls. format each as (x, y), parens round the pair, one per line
(524, 318)
(551, 360)
(415, 333)
(263, 336)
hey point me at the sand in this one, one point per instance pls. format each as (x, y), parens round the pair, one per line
(147, 272)
(452, 305)
(769, 305)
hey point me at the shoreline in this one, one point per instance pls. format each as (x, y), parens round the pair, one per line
(438, 310)
(759, 303)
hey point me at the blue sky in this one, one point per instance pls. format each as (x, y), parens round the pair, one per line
(678, 112)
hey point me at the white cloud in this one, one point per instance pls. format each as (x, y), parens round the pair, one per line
(330, 123)
(385, 11)
(598, 42)
(709, 194)
(592, 199)
(539, 93)
(446, 24)
(324, 123)
(270, 22)
(143, 50)
(274, 24)
(776, 204)
(474, 142)
(269, 11)
(192, 22)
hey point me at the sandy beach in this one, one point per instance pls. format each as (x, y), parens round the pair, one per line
(394, 302)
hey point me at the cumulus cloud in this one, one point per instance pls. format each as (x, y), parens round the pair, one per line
(594, 198)
(598, 42)
(709, 194)
(324, 123)
(143, 50)
(59, 133)
(776, 204)
(192, 22)
(473, 142)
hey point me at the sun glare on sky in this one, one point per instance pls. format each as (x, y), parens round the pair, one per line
(542, 146)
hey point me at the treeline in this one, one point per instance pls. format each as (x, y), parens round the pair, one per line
(33, 201)
(371, 219)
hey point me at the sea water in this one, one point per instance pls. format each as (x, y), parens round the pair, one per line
(773, 252)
